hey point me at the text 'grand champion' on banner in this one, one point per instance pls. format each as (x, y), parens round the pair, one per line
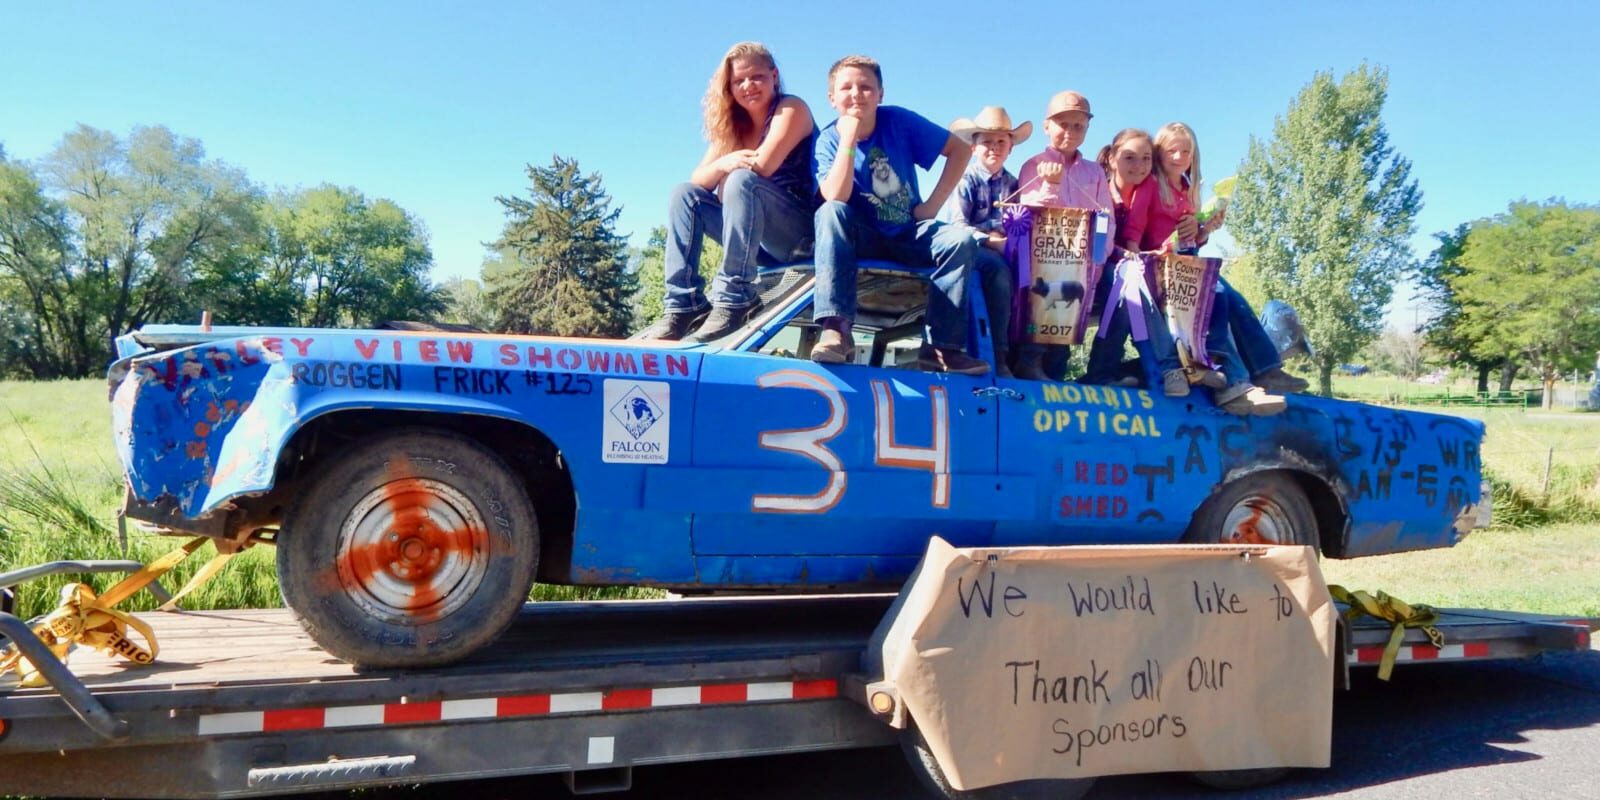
(1056, 253)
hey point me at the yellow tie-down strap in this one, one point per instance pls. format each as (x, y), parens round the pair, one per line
(1394, 611)
(93, 621)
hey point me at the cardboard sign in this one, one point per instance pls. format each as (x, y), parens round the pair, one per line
(1190, 285)
(1056, 263)
(1070, 662)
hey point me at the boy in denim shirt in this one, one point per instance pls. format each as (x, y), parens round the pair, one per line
(866, 171)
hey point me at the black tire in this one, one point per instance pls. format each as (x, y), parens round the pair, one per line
(1234, 780)
(1262, 508)
(933, 779)
(413, 548)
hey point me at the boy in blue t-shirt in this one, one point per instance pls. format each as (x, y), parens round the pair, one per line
(866, 173)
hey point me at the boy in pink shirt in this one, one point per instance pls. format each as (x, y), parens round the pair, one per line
(1061, 177)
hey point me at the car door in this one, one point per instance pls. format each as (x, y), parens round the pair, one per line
(1104, 459)
(798, 458)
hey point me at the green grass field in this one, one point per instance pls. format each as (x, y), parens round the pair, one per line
(60, 486)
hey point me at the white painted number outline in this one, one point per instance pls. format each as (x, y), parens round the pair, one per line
(935, 458)
(812, 443)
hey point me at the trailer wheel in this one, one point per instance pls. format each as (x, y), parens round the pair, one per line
(413, 548)
(932, 777)
(1263, 508)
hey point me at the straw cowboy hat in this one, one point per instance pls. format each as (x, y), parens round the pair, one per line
(992, 119)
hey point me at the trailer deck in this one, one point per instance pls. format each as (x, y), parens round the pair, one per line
(242, 703)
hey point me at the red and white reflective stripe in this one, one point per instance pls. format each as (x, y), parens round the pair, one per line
(1424, 652)
(294, 719)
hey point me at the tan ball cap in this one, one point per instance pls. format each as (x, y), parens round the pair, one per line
(1068, 101)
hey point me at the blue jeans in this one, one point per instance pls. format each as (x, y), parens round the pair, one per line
(753, 215)
(995, 275)
(1220, 342)
(842, 238)
(1255, 347)
(1157, 355)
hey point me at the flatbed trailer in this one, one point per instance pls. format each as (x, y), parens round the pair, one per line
(242, 703)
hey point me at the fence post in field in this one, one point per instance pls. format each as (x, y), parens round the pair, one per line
(1549, 456)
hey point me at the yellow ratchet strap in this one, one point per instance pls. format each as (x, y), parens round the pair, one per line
(92, 621)
(1392, 610)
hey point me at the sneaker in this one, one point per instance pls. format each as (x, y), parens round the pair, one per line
(723, 321)
(833, 347)
(1127, 382)
(1276, 380)
(673, 325)
(1209, 378)
(1001, 370)
(939, 359)
(1030, 366)
(1245, 399)
(1174, 383)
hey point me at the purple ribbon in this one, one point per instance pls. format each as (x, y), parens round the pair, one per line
(1018, 224)
(1129, 291)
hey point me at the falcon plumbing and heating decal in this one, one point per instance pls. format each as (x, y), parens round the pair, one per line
(636, 429)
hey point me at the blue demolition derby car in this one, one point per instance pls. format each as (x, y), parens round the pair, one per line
(416, 483)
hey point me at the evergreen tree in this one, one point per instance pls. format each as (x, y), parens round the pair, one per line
(1325, 211)
(563, 269)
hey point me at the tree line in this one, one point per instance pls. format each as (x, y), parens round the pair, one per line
(105, 234)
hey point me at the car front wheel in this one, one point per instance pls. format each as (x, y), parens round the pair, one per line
(412, 548)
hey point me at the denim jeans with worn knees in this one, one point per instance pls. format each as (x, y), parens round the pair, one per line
(994, 274)
(1254, 345)
(948, 251)
(753, 214)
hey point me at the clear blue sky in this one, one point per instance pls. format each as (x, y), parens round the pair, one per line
(438, 106)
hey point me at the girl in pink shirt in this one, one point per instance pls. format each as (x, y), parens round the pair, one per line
(1177, 175)
(1126, 162)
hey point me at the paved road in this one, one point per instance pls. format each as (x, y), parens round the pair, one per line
(1511, 730)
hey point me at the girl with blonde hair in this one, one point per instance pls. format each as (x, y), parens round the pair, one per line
(1178, 165)
(1177, 175)
(754, 191)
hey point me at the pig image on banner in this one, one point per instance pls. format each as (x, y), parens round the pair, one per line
(1055, 255)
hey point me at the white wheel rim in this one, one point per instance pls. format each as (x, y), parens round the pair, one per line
(1257, 519)
(412, 551)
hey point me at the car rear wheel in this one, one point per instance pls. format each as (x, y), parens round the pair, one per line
(413, 548)
(1263, 508)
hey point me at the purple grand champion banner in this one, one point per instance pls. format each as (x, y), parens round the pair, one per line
(1189, 284)
(1055, 257)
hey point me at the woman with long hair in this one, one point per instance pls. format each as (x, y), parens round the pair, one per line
(754, 192)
